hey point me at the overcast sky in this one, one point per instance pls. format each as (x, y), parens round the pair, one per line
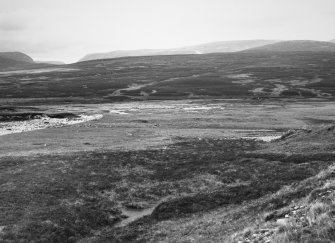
(66, 30)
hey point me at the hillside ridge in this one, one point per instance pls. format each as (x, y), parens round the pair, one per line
(212, 47)
(296, 45)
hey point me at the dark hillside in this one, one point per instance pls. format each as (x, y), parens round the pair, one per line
(11, 64)
(10, 61)
(227, 75)
(17, 56)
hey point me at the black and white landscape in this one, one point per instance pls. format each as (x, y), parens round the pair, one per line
(167, 121)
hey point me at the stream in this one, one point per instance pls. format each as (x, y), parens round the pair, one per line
(135, 214)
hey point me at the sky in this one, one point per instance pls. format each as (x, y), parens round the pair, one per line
(66, 30)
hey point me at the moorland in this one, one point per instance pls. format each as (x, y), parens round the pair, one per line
(225, 147)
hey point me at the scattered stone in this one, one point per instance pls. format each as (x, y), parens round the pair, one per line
(282, 221)
(137, 205)
(113, 219)
(2, 229)
(123, 216)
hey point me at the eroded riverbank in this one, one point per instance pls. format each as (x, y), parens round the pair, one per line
(43, 122)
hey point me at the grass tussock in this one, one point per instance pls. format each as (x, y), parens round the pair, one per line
(300, 213)
(320, 227)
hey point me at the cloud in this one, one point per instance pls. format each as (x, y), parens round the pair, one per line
(32, 46)
(67, 30)
(42, 49)
(14, 21)
(12, 26)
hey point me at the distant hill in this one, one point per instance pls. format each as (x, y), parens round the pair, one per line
(333, 41)
(51, 62)
(297, 45)
(214, 47)
(14, 60)
(17, 56)
(227, 46)
(7, 63)
(18, 60)
(121, 53)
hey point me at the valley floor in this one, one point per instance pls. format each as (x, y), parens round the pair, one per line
(172, 171)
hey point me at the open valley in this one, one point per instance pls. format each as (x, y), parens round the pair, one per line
(229, 142)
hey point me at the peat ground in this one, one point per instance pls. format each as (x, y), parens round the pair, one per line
(65, 198)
